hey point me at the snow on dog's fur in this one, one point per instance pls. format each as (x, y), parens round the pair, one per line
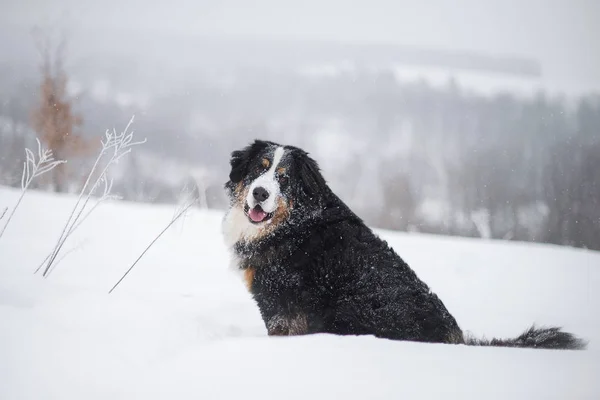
(313, 266)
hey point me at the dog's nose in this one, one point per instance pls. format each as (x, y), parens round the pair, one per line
(260, 194)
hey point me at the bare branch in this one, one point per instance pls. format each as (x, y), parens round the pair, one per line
(74, 228)
(32, 168)
(25, 175)
(39, 148)
(112, 141)
(66, 253)
(173, 220)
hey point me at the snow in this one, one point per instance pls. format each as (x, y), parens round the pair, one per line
(483, 83)
(181, 325)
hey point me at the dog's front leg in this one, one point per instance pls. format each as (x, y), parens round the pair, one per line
(287, 326)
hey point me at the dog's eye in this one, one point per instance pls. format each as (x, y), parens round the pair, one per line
(283, 180)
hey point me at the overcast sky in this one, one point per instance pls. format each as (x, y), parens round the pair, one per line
(562, 35)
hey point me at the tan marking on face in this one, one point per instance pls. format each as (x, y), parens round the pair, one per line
(266, 163)
(249, 277)
(238, 188)
(281, 170)
(240, 194)
(281, 213)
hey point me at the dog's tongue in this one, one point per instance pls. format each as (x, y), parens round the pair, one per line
(257, 214)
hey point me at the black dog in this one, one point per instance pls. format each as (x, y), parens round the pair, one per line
(313, 266)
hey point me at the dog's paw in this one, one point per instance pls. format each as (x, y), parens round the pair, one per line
(281, 326)
(278, 326)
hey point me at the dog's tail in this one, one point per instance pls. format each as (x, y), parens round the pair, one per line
(539, 338)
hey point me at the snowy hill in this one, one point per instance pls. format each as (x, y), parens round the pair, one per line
(182, 325)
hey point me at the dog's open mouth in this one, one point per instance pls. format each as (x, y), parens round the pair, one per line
(257, 214)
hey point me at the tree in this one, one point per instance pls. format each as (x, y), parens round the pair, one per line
(399, 201)
(53, 118)
(573, 195)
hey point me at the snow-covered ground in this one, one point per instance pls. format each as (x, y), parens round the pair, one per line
(181, 325)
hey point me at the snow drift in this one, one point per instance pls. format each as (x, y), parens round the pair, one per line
(182, 325)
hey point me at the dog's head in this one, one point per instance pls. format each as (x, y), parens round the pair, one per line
(271, 186)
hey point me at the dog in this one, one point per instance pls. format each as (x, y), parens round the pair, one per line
(313, 266)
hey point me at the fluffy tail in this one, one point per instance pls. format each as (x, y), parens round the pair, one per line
(539, 338)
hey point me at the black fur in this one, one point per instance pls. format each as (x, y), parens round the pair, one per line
(543, 338)
(324, 270)
(240, 160)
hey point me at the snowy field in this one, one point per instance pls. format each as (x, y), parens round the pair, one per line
(181, 325)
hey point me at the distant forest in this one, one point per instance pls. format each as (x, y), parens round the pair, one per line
(405, 156)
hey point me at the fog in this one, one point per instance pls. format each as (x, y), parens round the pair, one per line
(473, 118)
(561, 35)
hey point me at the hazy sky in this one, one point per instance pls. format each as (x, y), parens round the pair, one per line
(562, 35)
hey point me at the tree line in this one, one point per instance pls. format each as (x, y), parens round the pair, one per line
(438, 159)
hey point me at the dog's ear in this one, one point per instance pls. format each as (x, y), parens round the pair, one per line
(310, 175)
(240, 160)
(239, 165)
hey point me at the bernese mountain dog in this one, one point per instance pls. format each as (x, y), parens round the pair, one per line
(313, 266)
